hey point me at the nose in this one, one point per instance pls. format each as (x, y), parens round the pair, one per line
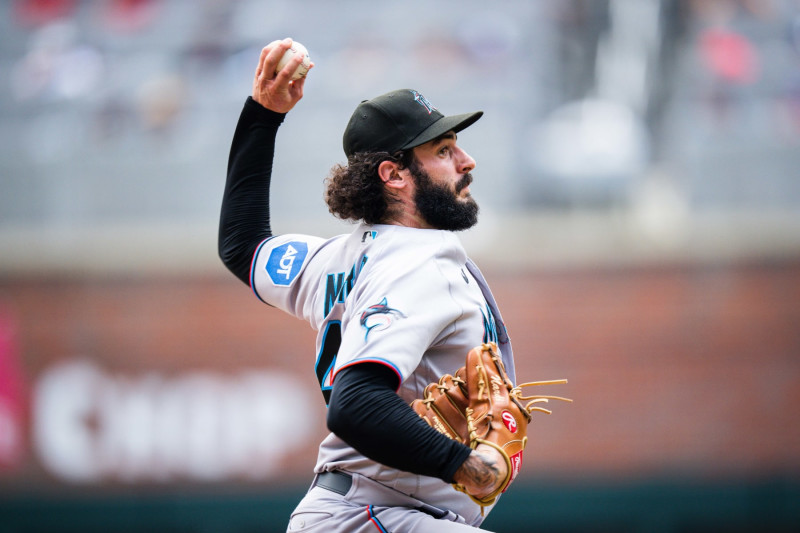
(466, 163)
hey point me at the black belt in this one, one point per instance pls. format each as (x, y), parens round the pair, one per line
(340, 483)
(335, 481)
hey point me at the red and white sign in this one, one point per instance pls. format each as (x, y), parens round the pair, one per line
(12, 399)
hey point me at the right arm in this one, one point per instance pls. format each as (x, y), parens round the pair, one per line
(244, 216)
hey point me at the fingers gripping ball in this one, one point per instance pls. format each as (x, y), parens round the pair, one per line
(302, 68)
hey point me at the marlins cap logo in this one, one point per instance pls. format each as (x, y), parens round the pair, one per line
(424, 102)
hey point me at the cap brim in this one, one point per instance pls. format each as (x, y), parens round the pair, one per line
(454, 123)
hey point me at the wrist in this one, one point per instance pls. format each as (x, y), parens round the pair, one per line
(482, 473)
(262, 113)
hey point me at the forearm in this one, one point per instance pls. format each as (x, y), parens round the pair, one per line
(244, 214)
(366, 413)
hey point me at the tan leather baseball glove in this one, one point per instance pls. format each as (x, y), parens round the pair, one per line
(480, 405)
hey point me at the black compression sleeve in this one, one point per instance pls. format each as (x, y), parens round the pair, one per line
(244, 216)
(367, 414)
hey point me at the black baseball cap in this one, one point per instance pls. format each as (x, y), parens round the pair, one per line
(399, 120)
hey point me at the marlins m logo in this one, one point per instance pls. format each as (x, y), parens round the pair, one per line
(379, 316)
(424, 102)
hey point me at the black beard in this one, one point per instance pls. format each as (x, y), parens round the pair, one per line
(439, 206)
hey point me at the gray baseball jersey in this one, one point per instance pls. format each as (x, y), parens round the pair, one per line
(406, 298)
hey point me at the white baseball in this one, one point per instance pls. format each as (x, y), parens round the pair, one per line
(302, 68)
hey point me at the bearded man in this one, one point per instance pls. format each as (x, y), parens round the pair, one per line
(396, 303)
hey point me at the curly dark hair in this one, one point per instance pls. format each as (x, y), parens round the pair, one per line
(355, 191)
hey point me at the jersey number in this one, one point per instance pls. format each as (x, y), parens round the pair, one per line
(327, 357)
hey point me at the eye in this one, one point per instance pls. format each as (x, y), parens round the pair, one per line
(444, 150)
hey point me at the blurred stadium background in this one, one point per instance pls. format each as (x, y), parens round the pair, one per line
(638, 178)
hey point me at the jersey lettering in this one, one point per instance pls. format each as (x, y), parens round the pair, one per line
(489, 325)
(326, 359)
(337, 287)
(333, 289)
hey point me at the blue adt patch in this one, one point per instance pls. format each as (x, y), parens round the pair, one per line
(285, 261)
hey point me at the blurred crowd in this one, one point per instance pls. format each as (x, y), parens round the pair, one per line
(120, 111)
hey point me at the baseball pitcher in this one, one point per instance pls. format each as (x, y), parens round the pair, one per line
(427, 426)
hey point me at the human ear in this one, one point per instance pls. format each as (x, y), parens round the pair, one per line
(389, 174)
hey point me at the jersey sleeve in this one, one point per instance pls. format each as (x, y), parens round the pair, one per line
(400, 308)
(283, 272)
